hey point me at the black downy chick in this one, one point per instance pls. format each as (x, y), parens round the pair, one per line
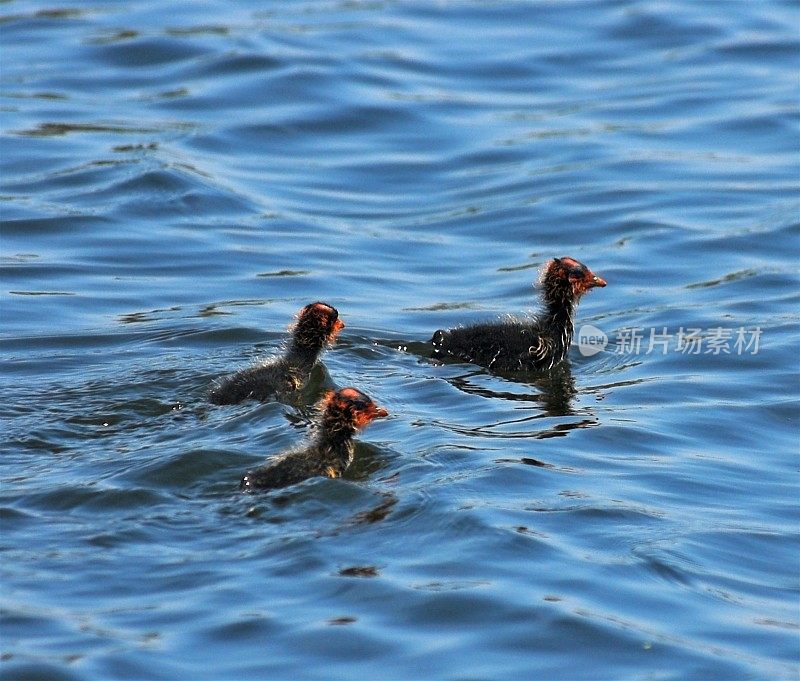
(317, 326)
(330, 450)
(534, 344)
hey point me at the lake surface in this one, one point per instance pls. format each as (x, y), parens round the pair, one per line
(179, 179)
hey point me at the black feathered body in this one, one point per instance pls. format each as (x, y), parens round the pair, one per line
(281, 378)
(532, 344)
(535, 344)
(514, 345)
(278, 378)
(328, 454)
(314, 460)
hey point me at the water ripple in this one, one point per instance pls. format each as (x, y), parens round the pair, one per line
(177, 182)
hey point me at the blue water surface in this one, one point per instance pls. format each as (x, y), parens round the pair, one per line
(179, 179)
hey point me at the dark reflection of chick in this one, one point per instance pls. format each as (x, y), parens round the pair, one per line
(556, 388)
(379, 512)
(556, 385)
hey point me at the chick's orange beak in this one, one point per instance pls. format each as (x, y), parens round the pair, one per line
(366, 417)
(338, 325)
(594, 280)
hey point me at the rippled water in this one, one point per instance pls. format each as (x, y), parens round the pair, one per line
(179, 179)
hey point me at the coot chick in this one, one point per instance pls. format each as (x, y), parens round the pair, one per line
(329, 452)
(534, 344)
(317, 325)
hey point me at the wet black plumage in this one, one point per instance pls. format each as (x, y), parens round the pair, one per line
(532, 344)
(317, 326)
(329, 451)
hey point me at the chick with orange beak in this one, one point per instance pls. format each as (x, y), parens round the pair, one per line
(533, 344)
(317, 327)
(330, 450)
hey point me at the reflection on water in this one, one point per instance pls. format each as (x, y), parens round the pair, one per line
(556, 388)
(379, 512)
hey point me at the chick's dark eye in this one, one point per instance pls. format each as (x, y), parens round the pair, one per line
(359, 403)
